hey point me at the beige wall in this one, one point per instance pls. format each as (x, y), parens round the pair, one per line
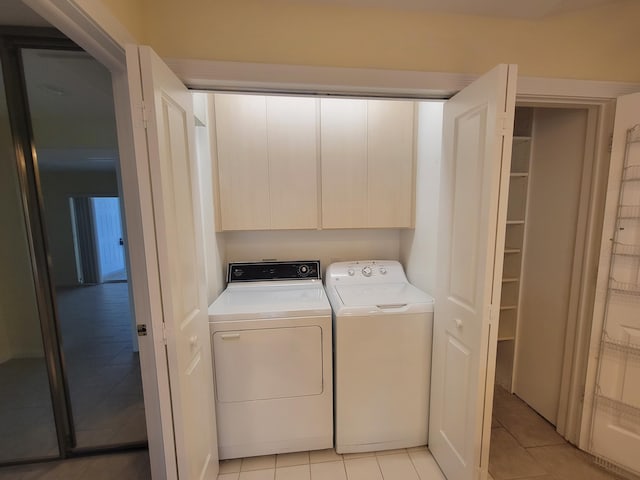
(214, 245)
(130, 14)
(418, 247)
(328, 246)
(597, 43)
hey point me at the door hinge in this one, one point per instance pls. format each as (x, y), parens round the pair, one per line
(610, 146)
(491, 314)
(164, 333)
(142, 330)
(145, 118)
(502, 124)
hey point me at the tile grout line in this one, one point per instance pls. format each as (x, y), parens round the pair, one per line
(413, 464)
(344, 467)
(379, 467)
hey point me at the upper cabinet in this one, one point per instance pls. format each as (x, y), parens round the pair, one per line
(267, 162)
(367, 163)
(292, 135)
(343, 148)
(243, 163)
(278, 156)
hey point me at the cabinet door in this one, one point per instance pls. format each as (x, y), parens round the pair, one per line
(344, 163)
(293, 161)
(243, 164)
(390, 163)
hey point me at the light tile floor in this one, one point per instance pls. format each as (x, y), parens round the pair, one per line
(103, 376)
(103, 370)
(403, 464)
(525, 446)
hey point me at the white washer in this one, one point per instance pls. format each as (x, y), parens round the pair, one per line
(271, 339)
(382, 347)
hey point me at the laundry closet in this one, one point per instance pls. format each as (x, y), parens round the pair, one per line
(274, 198)
(340, 179)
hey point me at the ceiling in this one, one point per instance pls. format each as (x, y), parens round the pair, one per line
(72, 112)
(16, 13)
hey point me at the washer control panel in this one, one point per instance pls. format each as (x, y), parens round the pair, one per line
(365, 271)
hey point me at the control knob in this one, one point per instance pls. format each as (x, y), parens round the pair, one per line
(351, 272)
(366, 271)
(303, 270)
(383, 270)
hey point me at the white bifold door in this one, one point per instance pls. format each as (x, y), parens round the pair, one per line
(477, 135)
(614, 417)
(162, 114)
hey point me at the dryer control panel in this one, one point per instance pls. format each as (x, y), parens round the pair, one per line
(269, 271)
(365, 271)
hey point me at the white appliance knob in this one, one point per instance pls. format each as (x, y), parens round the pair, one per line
(383, 270)
(366, 271)
(351, 272)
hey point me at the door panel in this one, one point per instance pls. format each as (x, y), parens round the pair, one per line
(171, 157)
(456, 388)
(268, 363)
(478, 127)
(615, 351)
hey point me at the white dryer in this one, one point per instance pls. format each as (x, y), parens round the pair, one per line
(271, 339)
(382, 356)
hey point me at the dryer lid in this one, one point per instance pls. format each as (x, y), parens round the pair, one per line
(385, 296)
(270, 300)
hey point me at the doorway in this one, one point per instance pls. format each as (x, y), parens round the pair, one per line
(60, 108)
(98, 239)
(550, 197)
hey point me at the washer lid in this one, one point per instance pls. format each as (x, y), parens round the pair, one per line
(385, 296)
(270, 301)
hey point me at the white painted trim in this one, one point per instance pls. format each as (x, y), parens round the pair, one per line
(90, 25)
(206, 74)
(145, 282)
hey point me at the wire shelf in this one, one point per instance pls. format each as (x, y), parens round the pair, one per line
(613, 466)
(620, 346)
(631, 174)
(626, 250)
(617, 406)
(624, 288)
(629, 352)
(628, 212)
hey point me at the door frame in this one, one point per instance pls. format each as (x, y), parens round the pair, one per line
(92, 26)
(593, 188)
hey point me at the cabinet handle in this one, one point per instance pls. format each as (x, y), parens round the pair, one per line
(388, 306)
(230, 336)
